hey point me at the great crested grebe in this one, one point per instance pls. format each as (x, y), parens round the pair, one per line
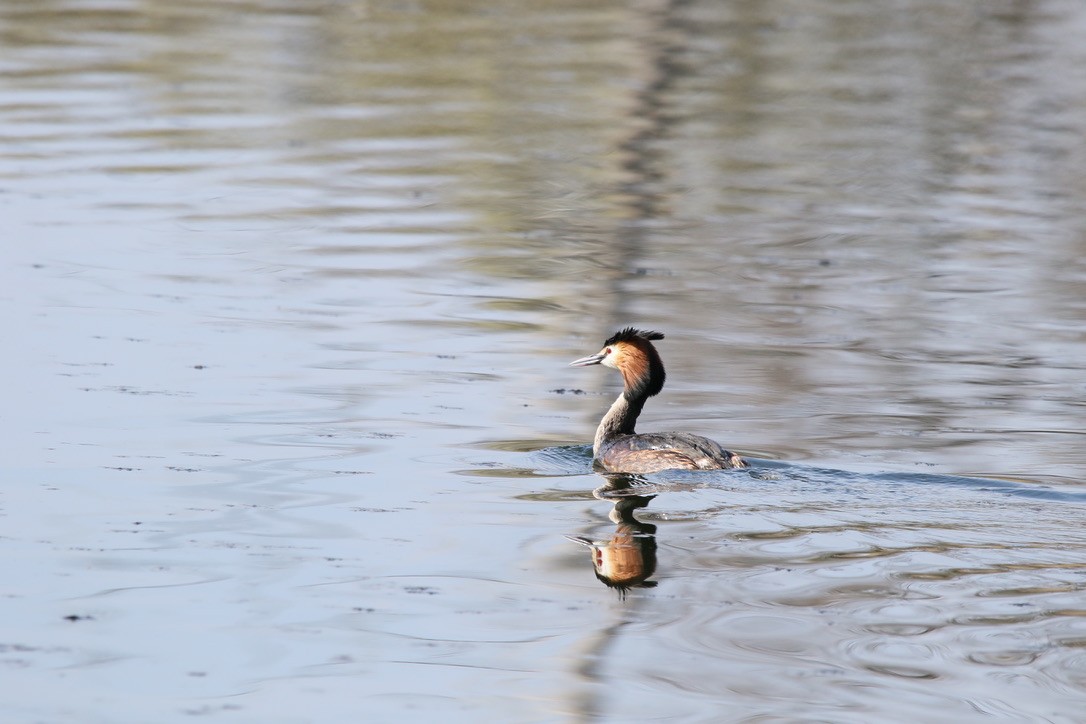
(617, 448)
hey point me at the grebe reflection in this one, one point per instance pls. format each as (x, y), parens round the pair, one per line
(628, 558)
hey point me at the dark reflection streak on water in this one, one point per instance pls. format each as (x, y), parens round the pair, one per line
(639, 191)
(641, 565)
(594, 667)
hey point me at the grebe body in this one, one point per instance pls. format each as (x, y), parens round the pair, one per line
(617, 447)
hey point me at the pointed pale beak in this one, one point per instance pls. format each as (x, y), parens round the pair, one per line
(592, 359)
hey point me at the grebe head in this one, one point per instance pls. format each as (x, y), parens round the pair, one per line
(630, 351)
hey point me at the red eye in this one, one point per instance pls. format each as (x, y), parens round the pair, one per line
(606, 351)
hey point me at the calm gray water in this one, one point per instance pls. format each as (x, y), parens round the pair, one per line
(288, 293)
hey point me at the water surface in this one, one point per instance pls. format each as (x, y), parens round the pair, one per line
(289, 292)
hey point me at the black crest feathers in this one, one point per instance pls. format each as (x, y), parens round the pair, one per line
(630, 334)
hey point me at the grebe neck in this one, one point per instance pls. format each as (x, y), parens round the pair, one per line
(619, 420)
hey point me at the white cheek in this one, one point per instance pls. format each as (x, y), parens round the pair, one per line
(609, 361)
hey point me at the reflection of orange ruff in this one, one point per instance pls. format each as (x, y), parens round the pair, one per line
(621, 561)
(617, 448)
(628, 559)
